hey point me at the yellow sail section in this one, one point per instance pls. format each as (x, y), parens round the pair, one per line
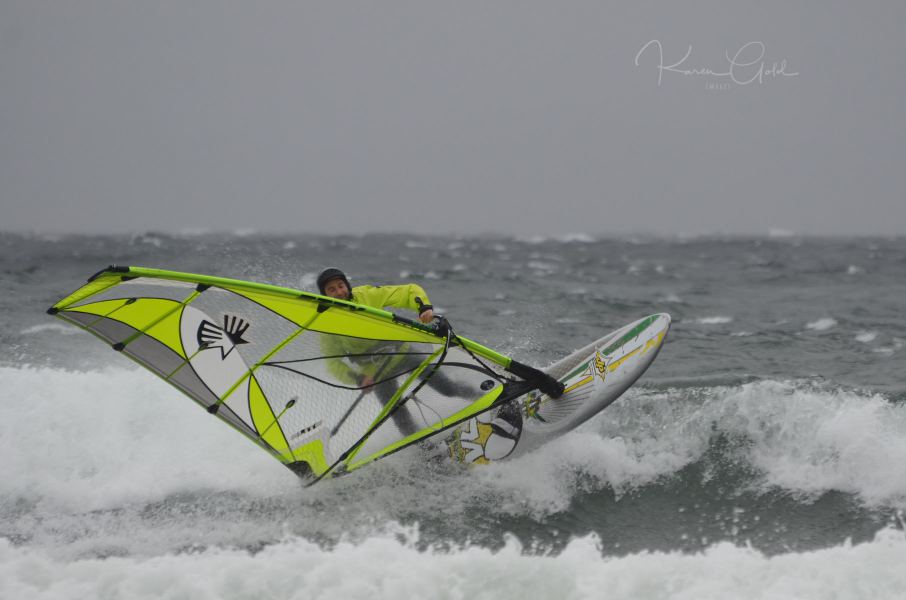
(313, 454)
(345, 322)
(94, 286)
(266, 421)
(338, 319)
(167, 333)
(296, 310)
(143, 313)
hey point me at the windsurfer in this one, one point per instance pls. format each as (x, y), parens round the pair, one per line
(372, 365)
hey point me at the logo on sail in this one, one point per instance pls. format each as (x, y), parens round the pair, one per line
(226, 338)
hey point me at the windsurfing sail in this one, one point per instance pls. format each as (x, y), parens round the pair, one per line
(288, 369)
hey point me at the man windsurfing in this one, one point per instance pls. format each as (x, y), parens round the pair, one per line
(373, 365)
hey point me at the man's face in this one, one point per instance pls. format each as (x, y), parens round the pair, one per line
(336, 288)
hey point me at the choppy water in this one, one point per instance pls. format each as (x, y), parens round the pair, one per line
(762, 456)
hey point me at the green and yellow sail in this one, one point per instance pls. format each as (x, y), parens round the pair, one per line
(253, 355)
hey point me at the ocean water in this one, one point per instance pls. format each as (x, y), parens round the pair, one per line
(763, 455)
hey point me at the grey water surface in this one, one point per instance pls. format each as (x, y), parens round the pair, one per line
(774, 414)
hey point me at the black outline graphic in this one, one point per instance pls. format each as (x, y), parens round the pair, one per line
(212, 335)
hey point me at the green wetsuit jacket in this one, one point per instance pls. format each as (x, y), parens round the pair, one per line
(351, 370)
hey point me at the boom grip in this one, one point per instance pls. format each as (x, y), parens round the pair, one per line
(545, 382)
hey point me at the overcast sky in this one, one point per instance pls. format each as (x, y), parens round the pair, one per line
(453, 117)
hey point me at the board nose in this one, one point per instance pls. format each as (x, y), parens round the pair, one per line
(662, 323)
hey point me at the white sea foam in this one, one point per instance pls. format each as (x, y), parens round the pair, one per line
(309, 281)
(391, 566)
(144, 238)
(800, 438)
(541, 266)
(533, 240)
(821, 324)
(119, 448)
(719, 320)
(545, 483)
(120, 436)
(803, 440)
(583, 238)
(114, 437)
(55, 328)
(895, 347)
(866, 337)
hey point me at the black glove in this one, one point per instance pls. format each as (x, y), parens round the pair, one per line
(441, 326)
